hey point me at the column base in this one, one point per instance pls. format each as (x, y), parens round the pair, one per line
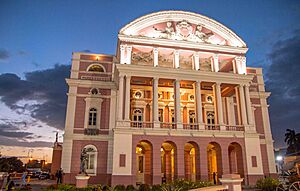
(222, 127)
(156, 125)
(179, 125)
(123, 124)
(201, 126)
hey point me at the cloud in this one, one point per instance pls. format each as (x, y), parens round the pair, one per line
(10, 130)
(4, 54)
(47, 87)
(6, 141)
(283, 81)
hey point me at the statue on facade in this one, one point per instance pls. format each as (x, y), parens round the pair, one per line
(201, 36)
(168, 32)
(83, 161)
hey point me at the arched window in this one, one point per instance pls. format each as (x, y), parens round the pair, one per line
(92, 117)
(96, 68)
(91, 162)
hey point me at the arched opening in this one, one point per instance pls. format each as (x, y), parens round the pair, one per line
(96, 68)
(168, 161)
(90, 164)
(235, 156)
(143, 152)
(214, 161)
(191, 161)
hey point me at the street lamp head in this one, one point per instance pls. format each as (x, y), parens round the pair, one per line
(279, 158)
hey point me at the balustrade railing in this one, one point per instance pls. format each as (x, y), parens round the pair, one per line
(91, 131)
(165, 125)
(140, 124)
(191, 126)
(235, 128)
(212, 127)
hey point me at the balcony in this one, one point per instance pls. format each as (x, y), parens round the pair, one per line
(186, 126)
(91, 131)
(139, 124)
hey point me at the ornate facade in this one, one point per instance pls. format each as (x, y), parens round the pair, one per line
(176, 101)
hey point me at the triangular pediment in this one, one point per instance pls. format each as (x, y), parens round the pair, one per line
(182, 26)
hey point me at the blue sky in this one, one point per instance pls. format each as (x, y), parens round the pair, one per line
(36, 35)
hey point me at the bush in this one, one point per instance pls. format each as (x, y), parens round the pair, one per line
(130, 188)
(156, 188)
(144, 187)
(119, 188)
(267, 184)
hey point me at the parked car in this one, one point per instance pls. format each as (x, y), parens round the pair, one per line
(44, 175)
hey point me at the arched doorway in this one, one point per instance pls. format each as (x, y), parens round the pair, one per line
(143, 152)
(168, 161)
(214, 161)
(235, 156)
(191, 161)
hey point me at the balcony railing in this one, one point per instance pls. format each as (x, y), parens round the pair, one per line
(91, 131)
(191, 126)
(140, 124)
(235, 128)
(165, 125)
(212, 127)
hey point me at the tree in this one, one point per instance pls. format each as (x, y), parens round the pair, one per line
(293, 141)
(11, 164)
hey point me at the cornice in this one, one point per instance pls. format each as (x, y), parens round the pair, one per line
(89, 83)
(172, 73)
(183, 44)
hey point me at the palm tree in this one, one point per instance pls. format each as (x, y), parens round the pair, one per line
(293, 140)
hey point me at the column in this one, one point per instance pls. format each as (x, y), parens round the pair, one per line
(196, 61)
(238, 106)
(156, 162)
(199, 104)
(216, 62)
(177, 104)
(120, 98)
(243, 105)
(248, 105)
(240, 64)
(155, 102)
(155, 57)
(203, 162)
(127, 99)
(176, 59)
(128, 54)
(218, 103)
(122, 54)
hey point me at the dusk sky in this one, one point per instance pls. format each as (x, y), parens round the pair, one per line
(37, 39)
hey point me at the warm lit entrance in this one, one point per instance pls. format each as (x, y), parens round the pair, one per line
(191, 161)
(143, 163)
(235, 159)
(214, 161)
(168, 153)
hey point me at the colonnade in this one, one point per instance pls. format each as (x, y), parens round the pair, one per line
(245, 113)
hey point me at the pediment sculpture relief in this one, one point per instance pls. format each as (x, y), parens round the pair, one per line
(183, 31)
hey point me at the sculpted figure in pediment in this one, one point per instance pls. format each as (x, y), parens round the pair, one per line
(201, 36)
(168, 32)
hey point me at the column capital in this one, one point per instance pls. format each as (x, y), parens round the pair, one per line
(217, 84)
(196, 54)
(216, 56)
(121, 75)
(177, 80)
(176, 52)
(247, 85)
(129, 48)
(128, 76)
(155, 49)
(155, 78)
(122, 47)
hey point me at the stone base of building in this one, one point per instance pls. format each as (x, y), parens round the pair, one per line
(253, 178)
(123, 180)
(103, 179)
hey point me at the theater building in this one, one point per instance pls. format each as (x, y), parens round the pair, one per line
(177, 101)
